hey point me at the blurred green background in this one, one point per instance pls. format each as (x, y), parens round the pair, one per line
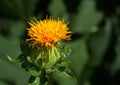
(95, 56)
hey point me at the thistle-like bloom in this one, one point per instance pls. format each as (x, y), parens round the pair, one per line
(48, 32)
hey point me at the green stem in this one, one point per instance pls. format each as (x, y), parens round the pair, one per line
(39, 80)
(43, 78)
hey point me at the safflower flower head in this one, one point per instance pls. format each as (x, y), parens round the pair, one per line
(47, 32)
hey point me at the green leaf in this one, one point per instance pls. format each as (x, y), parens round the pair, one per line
(12, 73)
(29, 59)
(34, 72)
(65, 51)
(3, 83)
(64, 80)
(86, 17)
(99, 42)
(65, 72)
(79, 56)
(36, 81)
(12, 59)
(57, 4)
(70, 73)
(9, 47)
(65, 63)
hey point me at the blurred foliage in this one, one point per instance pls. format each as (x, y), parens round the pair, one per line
(95, 57)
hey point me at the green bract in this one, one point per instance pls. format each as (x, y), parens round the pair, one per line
(41, 63)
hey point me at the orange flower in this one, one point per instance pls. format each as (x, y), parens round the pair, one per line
(47, 32)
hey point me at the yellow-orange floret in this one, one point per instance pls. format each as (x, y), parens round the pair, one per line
(48, 31)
